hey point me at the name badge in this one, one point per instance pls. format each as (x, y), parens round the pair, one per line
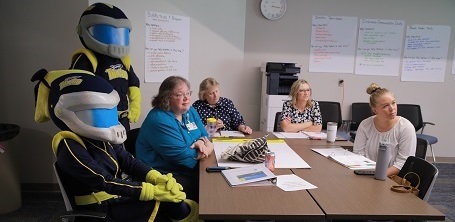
(191, 126)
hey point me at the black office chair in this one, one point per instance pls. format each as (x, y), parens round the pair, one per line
(330, 112)
(413, 113)
(426, 171)
(277, 123)
(359, 112)
(69, 203)
(421, 148)
(130, 142)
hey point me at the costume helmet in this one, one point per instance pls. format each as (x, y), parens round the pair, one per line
(79, 101)
(105, 29)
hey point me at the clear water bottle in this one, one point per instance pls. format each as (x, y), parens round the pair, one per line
(382, 162)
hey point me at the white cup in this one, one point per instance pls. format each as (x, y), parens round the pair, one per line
(331, 131)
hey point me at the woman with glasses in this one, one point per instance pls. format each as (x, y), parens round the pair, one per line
(211, 105)
(301, 113)
(172, 137)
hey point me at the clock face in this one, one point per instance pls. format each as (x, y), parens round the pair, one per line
(273, 9)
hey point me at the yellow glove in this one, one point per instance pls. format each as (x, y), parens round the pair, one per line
(172, 184)
(154, 177)
(134, 96)
(159, 192)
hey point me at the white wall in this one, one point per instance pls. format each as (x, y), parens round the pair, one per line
(229, 40)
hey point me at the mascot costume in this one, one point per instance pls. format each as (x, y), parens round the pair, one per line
(91, 157)
(104, 31)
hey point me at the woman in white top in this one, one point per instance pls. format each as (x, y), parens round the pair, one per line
(385, 125)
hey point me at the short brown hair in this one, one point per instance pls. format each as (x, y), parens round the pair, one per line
(161, 100)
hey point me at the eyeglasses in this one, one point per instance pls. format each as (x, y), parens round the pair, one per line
(181, 95)
(305, 90)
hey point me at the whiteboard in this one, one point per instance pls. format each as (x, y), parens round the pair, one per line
(425, 53)
(332, 47)
(379, 47)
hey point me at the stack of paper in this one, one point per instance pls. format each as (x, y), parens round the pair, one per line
(346, 158)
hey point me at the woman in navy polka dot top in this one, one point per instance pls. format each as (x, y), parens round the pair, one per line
(210, 104)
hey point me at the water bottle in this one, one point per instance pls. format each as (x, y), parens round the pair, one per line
(211, 126)
(382, 162)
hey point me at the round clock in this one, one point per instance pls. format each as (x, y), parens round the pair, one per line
(273, 9)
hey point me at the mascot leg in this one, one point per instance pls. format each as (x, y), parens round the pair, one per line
(194, 214)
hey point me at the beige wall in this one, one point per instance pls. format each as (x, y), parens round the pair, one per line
(229, 40)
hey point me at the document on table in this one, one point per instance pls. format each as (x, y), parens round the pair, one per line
(231, 134)
(346, 158)
(329, 151)
(249, 174)
(298, 135)
(292, 182)
(285, 157)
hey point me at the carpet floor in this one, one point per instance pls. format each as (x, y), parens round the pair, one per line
(47, 207)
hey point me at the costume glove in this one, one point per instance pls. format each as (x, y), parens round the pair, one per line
(154, 177)
(159, 192)
(134, 96)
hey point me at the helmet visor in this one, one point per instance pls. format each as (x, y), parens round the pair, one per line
(110, 35)
(100, 118)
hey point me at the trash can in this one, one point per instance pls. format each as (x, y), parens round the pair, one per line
(10, 187)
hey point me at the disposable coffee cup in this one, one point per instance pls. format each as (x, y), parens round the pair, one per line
(331, 131)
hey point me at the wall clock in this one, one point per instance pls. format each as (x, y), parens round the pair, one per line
(273, 9)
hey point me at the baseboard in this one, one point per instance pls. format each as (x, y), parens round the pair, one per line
(442, 159)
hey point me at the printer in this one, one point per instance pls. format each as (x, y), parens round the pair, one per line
(280, 77)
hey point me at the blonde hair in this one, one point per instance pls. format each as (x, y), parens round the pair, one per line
(295, 90)
(205, 86)
(375, 92)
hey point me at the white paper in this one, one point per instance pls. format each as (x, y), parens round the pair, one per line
(285, 157)
(167, 41)
(379, 47)
(231, 134)
(336, 151)
(298, 135)
(292, 182)
(333, 40)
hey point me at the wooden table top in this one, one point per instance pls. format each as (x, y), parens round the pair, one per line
(340, 194)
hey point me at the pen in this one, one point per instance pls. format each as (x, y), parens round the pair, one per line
(216, 169)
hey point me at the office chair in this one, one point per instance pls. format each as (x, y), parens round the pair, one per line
(330, 112)
(413, 113)
(277, 124)
(426, 171)
(359, 112)
(69, 202)
(421, 148)
(130, 142)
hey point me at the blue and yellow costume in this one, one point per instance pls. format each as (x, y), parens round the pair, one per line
(91, 157)
(104, 31)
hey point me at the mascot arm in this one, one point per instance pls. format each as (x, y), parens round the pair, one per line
(76, 162)
(134, 96)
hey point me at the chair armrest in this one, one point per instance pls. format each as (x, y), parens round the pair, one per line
(424, 124)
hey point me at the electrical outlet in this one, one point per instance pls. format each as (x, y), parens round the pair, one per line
(340, 83)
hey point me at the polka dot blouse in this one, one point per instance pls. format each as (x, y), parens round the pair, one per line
(224, 109)
(312, 114)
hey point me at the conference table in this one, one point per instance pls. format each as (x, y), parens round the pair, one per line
(340, 194)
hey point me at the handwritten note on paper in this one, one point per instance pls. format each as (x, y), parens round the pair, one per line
(332, 46)
(425, 53)
(379, 47)
(292, 182)
(166, 46)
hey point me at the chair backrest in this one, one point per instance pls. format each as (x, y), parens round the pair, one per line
(426, 171)
(130, 142)
(277, 124)
(359, 112)
(411, 112)
(330, 112)
(421, 149)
